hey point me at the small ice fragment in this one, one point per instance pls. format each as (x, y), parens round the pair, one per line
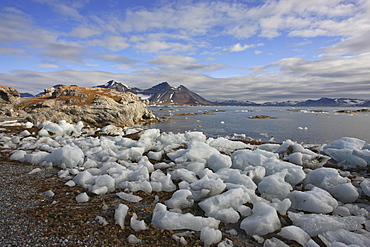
(132, 239)
(137, 225)
(101, 220)
(70, 183)
(36, 170)
(83, 197)
(120, 215)
(129, 197)
(48, 193)
(210, 236)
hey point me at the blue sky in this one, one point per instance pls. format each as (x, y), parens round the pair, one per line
(231, 49)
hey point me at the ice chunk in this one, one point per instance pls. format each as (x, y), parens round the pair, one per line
(295, 233)
(83, 197)
(316, 201)
(345, 237)
(263, 220)
(365, 186)
(103, 181)
(129, 197)
(244, 158)
(233, 198)
(227, 146)
(227, 215)
(137, 225)
(18, 155)
(120, 215)
(226, 243)
(155, 155)
(85, 179)
(346, 143)
(330, 180)
(36, 157)
(275, 186)
(70, 183)
(71, 157)
(207, 187)
(48, 193)
(184, 175)
(294, 173)
(274, 242)
(363, 154)
(174, 221)
(161, 182)
(132, 239)
(101, 220)
(180, 199)
(340, 155)
(36, 170)
(112, 130)
(210, 236)
(315, 224)
(218, 161)
(196, 151)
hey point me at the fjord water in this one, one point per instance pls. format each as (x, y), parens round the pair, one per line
(302, 124)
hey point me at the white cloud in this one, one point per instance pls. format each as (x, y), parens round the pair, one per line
(48, 65)
(65, 52)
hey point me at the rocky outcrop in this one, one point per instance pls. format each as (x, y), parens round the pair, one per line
(8, 94)
(93, 106)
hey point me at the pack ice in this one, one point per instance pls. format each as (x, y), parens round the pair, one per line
(251, 188)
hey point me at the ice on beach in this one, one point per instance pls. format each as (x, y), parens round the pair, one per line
(275, 186)
(132, 239)
(346, 238)
(112, 130)
(180, 199)
(244, 158)
(120, 215)
(36, 170)
(295, 233)
(294, 173)
(348, 149)
(264, 220)
(67, 157)
(137, 225)
(365, 186)
(174, 221)
(129, 197)
(315, 224)
(330, 180)
(210, 236)
(316, 201)
(83, 197)
(61, 128)
(227, 146)
(207, 187)
(233, 198)
(101, 220)
(48, 193)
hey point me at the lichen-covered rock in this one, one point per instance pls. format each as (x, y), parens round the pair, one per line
(8, 94)
(93, 106)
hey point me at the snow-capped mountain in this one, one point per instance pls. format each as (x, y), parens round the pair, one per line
(333, 102)
(162, 94)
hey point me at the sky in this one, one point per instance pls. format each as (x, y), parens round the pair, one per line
(247, 50)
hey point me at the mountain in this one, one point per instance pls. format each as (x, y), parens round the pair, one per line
(27, 95)
(236, 103)
(162, 94)
(333, 102)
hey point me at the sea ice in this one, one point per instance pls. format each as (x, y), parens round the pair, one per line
(227, 146)
(137, 225)
(129, 197)
(346, 238)
(132, 239)
(274, 186)
(101, 220)
(315, 224)
(294, 173)
(174, 221)
(180, 199)
(70, 156)
(210, 236)
(83, 197)
(365, 186)
(218, 161)
(330, 180)
(316, 201)
(120, 215)
(244, 158)
(207, 187)
(295, 233)
(264, 220)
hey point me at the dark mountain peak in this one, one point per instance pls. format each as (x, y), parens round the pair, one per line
(161, 86)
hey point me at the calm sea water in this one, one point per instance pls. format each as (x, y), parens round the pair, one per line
(296, 123)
